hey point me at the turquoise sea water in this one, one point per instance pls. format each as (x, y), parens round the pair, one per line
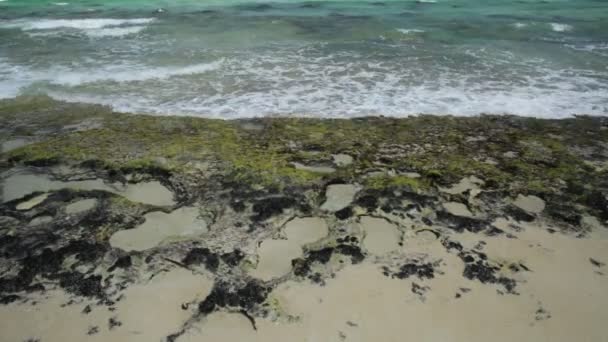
(229, 58)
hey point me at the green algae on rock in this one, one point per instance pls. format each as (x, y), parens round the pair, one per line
(98, 204)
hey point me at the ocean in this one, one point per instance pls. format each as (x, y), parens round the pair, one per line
(231, 59)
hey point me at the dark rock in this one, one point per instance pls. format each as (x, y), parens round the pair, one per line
(204, 256)
(421, 271)
(113, 322)
(493, 231)
(344, 213)
(369, 202)
(271, 206)
(233, 258)
(122, 262)
(78, 284)
(596, 263)
(519, 214)
(237, 206)
(564, 213)
(223, 295)
(302, 266)
(9, 299)
(449, 245)
(598, 201)
(486, 273)
(460, 223)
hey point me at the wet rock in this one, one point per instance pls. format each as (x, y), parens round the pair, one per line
(302, 266)
(122, 262)
(480, 269)
(8, 299)
(224, 295)
(598, 201)
(368, 201)
(233, 258)
(47, 264)
(519, 214)
(113, 322)
(344, 213)
(412, 268)
(81, 285)
(596, 263)
(449, 245)
(268, 207)
(202, 256)
(461, 223)
(493, 231)
(541, 314)
(419, 290)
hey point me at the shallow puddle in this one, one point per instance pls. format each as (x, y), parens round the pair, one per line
(381, 236)
(81, 206)
(27, 205)
(158, 227)
(531, 204)
(275, 255)
(13, 144)
(339, 196)
(314, 168)
(467, 183)
(457, 209)
(21, 184)
(342, 159)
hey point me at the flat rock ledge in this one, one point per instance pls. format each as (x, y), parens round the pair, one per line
(181, 228)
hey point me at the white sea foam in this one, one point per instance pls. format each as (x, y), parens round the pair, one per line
(410, 31)
(520, 25)
(114, 31)
(79, 24)
(327, 86)
(557, 27)
(16, 77)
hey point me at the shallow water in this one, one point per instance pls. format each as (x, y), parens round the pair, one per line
(234, 58)
(21, 184)
(159, 226)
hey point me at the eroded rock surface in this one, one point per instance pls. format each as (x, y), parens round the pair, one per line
(135, 228)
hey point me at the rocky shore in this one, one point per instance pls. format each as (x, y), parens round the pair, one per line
(146, 228)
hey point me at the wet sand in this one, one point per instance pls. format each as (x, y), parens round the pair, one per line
(561, 298)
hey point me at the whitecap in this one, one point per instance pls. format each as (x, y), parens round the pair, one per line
(520, 25)
(409, 31)
(115, 31)
(60, 3)
(81, 24)
(557, 27)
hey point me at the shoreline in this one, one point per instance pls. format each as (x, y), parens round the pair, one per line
(175, 228)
